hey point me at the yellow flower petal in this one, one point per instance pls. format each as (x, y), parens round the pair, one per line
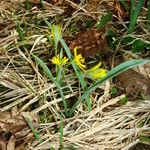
(96, 72)
(64, 60)
(96, 67)
(75, 51)
(99, 73)
(79, 60)
(57, 60)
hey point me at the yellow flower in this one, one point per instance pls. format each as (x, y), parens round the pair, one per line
(96, 72)
(95, 67)
(99, 73)
(79, 60)
(57, 60)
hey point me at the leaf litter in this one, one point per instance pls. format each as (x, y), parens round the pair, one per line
(14, 130)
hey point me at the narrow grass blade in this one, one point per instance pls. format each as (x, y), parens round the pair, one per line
(20, 31)
(105, 19)
(61, 131)
(148, 15)
(145, 139)
(27, 5)
(42, 5)
(77, 71)
(49, 74)
(134, 14)
(35, 133)
(131, 9)
(123, 2)
(114, 72)
(48, 23)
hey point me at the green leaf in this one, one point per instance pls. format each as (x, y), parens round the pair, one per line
(49, 74)
(143, 122)
(75, 67)
(123, 2)
(48, 23)
(127, 40)
(35, 133)
(42, 5)
(114, 90)
(111, 38)
(52, 148)
(77, 71)
(61, 131)
(105, 19)
(27, 5)
(112, 73)
(138, 46)
(134, 14)
(148, 16)
(145, 139)
(124, 100)
(89, 23)
(20, 31)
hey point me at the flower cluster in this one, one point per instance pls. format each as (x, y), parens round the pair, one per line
(59, 61)
(94, 73)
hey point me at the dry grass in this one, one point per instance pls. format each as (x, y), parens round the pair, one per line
(116, 128)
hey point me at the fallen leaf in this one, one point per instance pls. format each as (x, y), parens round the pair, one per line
(89, 42)
(11, 143)
(118, 9)
(14, 129)
(134, 83)
(3, 141)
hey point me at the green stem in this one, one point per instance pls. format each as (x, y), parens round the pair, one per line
(134, 14)
(148, 15)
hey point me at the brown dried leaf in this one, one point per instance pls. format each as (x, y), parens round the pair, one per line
(11, 143)
(9, 124)
(134, 83)
(144, 71)
(14, 129)
(118, 9)
(3, 142)
(92, 5)
(90, 42)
